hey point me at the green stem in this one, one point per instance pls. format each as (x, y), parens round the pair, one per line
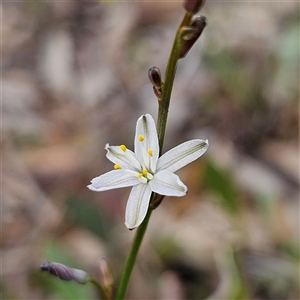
(132, 256)
(161, 127)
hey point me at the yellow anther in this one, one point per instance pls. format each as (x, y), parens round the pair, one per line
(117, 167)
(140, 175)
(123, 147)
(150, 152)
(145, 172)
(141, 138)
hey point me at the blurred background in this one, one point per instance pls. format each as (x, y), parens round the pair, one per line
(74, 77)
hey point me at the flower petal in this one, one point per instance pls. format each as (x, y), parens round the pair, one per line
(137, 205)
(146, 127)
(127, 159)
(168, 184)
(182, 155)
(113, 180)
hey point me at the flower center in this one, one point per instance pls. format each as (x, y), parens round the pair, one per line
(143, 173)
(146, 175)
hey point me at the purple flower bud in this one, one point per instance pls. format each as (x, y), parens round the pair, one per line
(191, 34)
(193, 6)
(65, 273)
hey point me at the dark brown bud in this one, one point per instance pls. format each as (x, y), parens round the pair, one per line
(65, 273)
(191, 34)
(155, 77)
(193, 6)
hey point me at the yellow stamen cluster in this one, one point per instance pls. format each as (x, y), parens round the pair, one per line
(141, 138)
(150, 152)
(145, 176)
(117, 167)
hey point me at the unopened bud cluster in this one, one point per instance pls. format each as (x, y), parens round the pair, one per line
(191, 34)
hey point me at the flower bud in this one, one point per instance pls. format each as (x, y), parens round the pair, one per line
(191, 34)
(65, 273)
(155, 77)
(193, 6)
(105, 272)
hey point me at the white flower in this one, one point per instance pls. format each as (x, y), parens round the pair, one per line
(145, 171)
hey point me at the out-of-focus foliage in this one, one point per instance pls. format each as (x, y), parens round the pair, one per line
(221, 183)
(85, 215)
(74, 77)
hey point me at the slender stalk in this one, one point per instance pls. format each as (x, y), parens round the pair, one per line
(161, 127)
(164, 103)
(132, 256)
